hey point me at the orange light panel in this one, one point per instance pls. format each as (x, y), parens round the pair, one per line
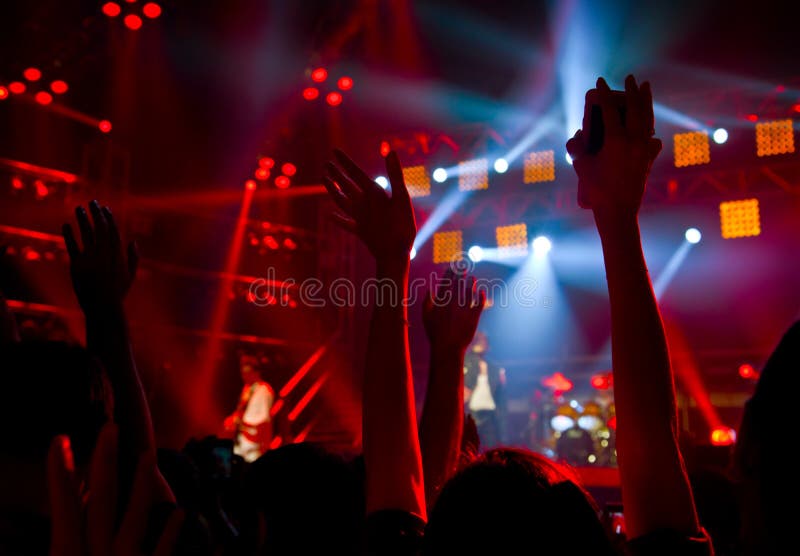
(473, 174)
(691, 148)
(739, 218)
(776, 137)
(539, 167)
(448, 246)
(512, 241)
(417, 181)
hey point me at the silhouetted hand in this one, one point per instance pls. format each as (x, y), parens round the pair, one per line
(451, 317)
(613, 180)
(384, 223)
(101, 274)
(88, 529)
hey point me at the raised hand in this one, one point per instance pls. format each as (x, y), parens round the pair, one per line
(613, 180)
(88, 529)
(101, 274)
(384, 223)
(451, 316)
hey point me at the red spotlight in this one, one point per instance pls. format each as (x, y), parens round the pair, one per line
(3, 92)
(32, 74)
(385, 148)
(796, 107)
(59, 87)
(752, 117)
(17, 87)
(17, 183)
(722, 436)
(43, 97)
(270, 242)
(151, 10)
(310, 93)
(41, 189)
(262, 174)
(250, 185)
(111, 9)
(266, 162)
(104, 125)
(747, 371)
(289, 169)
(31, 255)
(345, 83)
(282, 182)
(319, 75)
(289, 243)
(334, 99)
(133, 22)
(602, 381)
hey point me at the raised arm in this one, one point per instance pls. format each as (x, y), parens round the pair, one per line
(655, 489)
(101, 277)
(451, 318)
(386, 226)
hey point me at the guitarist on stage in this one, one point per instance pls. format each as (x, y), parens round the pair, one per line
(251, 424)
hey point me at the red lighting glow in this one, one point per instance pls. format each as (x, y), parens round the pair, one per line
(747, 371)
(3, 92)
(558, 383)
(602, 381)
(32, 74)
(17, 183)
(31, 255)
(104, 126)
(385, 148)
(319, 75)
(111, 9)
(752, 117)
(133, 22)
(151, 10)
(43, 97)
(250, 185)
(17, 87)
(290, 244)
(289, 169)
(262, 174)
(59, 87)
(266, 162)
(310, 93)
(334, 99)
(612, 423)
(41, 189)
(345, 83)
(282, 182)
(722, 436)
(796, 107)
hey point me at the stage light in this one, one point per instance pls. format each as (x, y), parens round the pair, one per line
(334, 98)
(475, 253)
(41, 189)
(382, 181)
(602, 381)
(43, 97)
(720, 135)
(747, 371)
(693, 235)
(539, 167)
(262, 174)
(3, 92)
(310, 93)
(319, 75)
(796, 107)
(691, 148)
(17, 183)
(17, 87)
(32, 74)
(345, 83)
(271, 242)
(59, 87)
(385, 148)
(473, 174)
(417, 181)
(290, 244)
(568, 158)
(266, 162)
(447, 246)
(752, 117)
(133, 22)
(282, 182)
(440, 175)
(104, 125)
(740, 218)
(151, 10)
(289, 169)
(512, 240)
(541, 245)
(500, 165)
(723, 436)
(413, 253)
(111, 9)
(250, 185)
(775, 137)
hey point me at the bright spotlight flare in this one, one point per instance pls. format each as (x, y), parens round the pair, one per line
(693, 235)
(382, 181)
(542, 245)
(475, 253)
(440, 175)
(500, 165)
(720, 135)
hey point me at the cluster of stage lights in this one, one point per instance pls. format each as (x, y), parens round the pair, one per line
(320, 76)
(38, 187)
(132, 19)
(266, 166)
(33, 83)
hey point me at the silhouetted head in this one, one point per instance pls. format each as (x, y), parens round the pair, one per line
(510, 499)
(304, 500)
